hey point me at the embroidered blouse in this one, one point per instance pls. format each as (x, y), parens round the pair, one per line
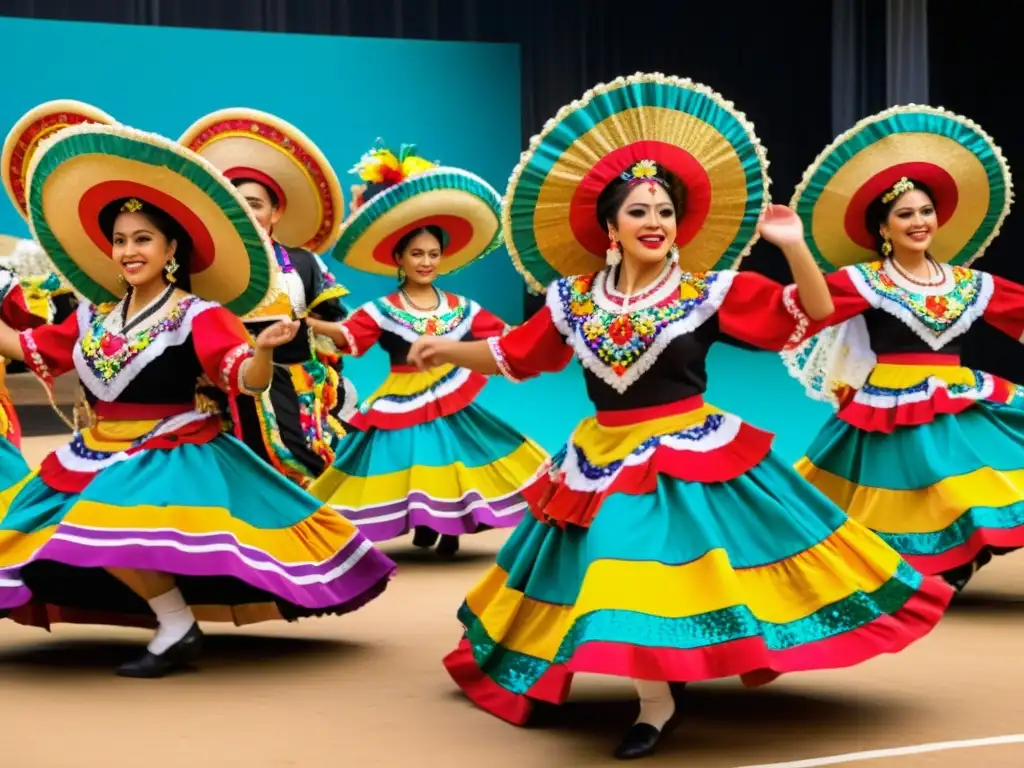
(905, 318)
(387, 322)
(154, 365)
(651, 349)
(408, 397)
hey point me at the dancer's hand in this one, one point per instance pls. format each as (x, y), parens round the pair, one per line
(278, 334)
(427, 352)
(780, 226)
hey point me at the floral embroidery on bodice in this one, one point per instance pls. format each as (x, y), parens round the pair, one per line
(411, 324)
(618, 338)
(937, 314)
(108, 352)
(107, 359)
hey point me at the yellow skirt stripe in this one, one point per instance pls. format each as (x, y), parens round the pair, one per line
(935, 508)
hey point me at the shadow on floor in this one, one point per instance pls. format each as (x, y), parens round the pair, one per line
(987, 603)
(427, 558)
(230, 654)
(718, 719)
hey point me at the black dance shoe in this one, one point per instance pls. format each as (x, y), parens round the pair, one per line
(175, 658)
(424, 537)
(641, 739)
(959, 577)
(448, 547)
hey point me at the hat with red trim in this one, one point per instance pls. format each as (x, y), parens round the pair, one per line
(405, 192)
(248, 144)
(76, 175)
(883, 154)
(631, 125)
(24, 138)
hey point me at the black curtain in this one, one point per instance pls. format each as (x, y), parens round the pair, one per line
(984, 88)
(774, 64)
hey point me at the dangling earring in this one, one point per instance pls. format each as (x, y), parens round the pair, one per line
(401, 275)
(120, 280)
(673, 254)
(886, 247)
(613, 255)
(170, 269)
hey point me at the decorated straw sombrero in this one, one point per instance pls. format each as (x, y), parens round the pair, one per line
(550, 216)
(248, 144)
(405, 192)
(951, 154)
(79, 171)
(36, 125)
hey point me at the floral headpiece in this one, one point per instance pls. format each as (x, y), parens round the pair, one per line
(131, 205)
(644, 170)
(901, 186)
(381, 167)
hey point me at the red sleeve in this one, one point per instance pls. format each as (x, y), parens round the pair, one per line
(222, 344)
(360, 331)
(485, 325)
(15, 311)
(533, 348)
(48, 349)
(1005, 309)
(759, 311)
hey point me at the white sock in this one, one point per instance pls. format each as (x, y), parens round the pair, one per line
(656, 703)
(175, 619)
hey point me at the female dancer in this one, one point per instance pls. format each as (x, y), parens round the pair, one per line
(672, 543)
(925, 452)
(428, 457)
(151, 513)
(295, 196)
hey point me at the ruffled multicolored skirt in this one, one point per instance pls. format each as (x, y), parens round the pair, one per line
(680, 548)
(176, 496)
(425, 455)
(930, 457)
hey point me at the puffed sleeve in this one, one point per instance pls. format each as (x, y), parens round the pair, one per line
(533, 348)
(49, 349)
(222, 345)
(759, 311)
(485, 325)
(1005, 309)
(360, 331)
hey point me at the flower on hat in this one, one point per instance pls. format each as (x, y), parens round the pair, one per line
(382, 166)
